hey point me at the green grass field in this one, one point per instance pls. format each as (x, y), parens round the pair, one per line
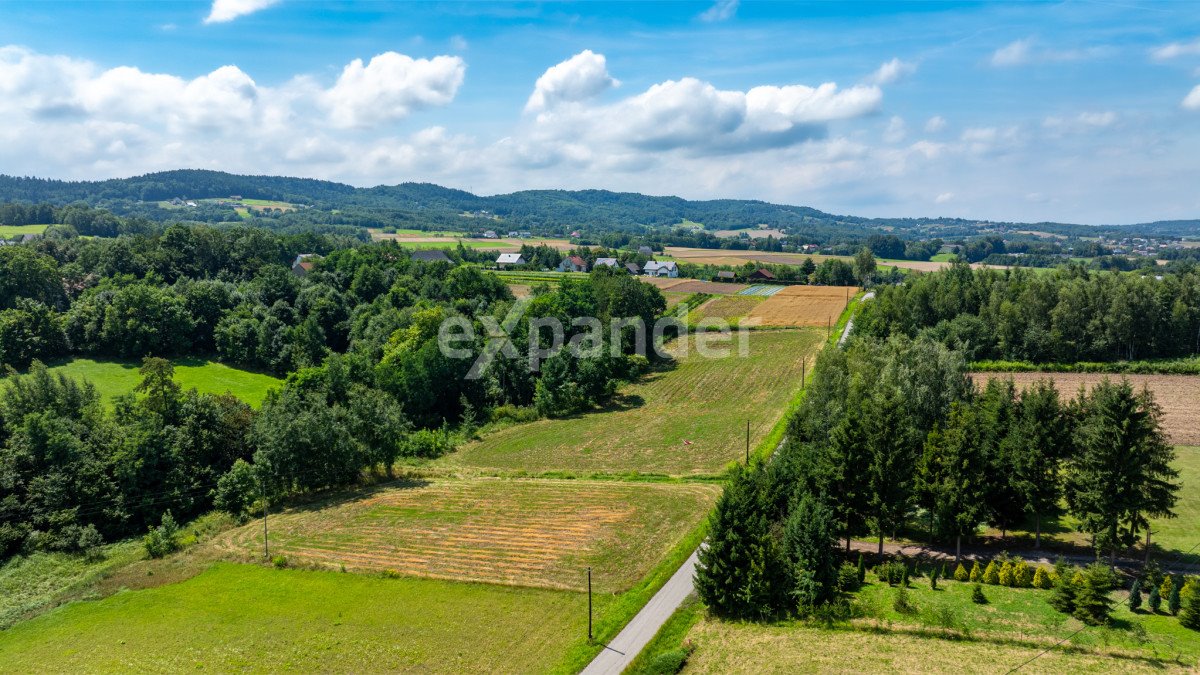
(29, 583)
(113, 378)
(255, 619)
(477, 244)
(705, 401)
(948, 633)
(10, 231)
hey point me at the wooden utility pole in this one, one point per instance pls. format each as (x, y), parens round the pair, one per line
(266, 546)
(803, 372)
(589, 603)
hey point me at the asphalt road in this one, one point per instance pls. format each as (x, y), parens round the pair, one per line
(618, 654)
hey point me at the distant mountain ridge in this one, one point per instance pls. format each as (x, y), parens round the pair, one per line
(529, 207)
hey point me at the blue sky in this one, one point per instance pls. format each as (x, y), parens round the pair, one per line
(1072, 111)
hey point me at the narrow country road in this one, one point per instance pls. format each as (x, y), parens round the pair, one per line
(850, 322)
(618, 654)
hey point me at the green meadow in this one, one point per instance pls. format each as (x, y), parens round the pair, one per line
(115, 377)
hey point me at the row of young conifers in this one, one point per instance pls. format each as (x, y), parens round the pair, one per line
(894, 433)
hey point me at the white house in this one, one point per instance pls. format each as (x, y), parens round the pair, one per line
(606, 262)
(572, 264)
(490, 234)
(509, 259)
(655, 268)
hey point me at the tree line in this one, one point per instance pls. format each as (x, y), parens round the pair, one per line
(1065, 316)
(893, 434)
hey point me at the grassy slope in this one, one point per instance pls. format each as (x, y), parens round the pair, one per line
(113, 378)
(948, 633)
(706, 401)
(248, 618)
(33, 582)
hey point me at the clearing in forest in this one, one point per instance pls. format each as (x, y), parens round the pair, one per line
(542, 533)
(115, 377)
(686, 420)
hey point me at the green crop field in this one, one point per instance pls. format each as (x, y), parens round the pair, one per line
(701, 400)
(255, 619)
(542, 533)
(10, 231)
(948, 633)
(113, 378)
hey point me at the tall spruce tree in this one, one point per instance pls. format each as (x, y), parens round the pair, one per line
(743, 572)
(1037, 446)
(1121, 475)
(957, 470)
(809, 541)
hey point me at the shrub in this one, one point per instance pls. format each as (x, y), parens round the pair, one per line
(847, 578)
(891, 572)
(1093, 606)
(428, 443)
(904, 577)
(236, 489)
(1022, 574)
(933, 577)
(1135, 595)
(901, 603)
(667, 663)
(1164, 590)
(1063, 597)
(976, 573)
(862, 570)
(991, 575)
(977, 595)
(943, 572)
(1189, 609)
(1005, 577)
(390, 574)
(164, 539)
(961, 573)
(279, 562)
(1041, 579)
(1153, 599)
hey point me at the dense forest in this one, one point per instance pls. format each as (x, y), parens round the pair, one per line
(1066, 315)
(357, 338)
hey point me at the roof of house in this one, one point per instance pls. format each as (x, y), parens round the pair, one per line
(633, 267)
(645, 249)
(434, 255)
(764, 273)
(608, 262)
(510, 258)
(725, 274)
(306, 266)
(577, 261)
(654, 265)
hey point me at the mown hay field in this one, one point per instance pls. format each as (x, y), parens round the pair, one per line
(706, 401)
(803, 306)
(542, 533)
(247, 618)
(731, 308)
(1179, 395)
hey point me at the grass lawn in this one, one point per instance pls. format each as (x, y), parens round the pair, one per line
(30, 583)
(255, 619)
(542, 533)
(947, 633)
(10, 231)
(702, 400)
(113, 378)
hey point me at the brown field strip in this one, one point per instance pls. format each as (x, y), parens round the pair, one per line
(1179, 395)
(520, 532)
(709, 256)
(802, 306)
(728, 307)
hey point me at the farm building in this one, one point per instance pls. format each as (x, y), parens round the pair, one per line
(645, 250)
(509, 260)
(431, 256)
(761, 275)
(726, 275)
(632, 268)
(303, 263)
(572, 264)
(661, 269)
(606, 262)
(490, 234)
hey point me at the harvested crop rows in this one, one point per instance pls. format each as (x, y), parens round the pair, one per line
(728, 307)
(1179, 395)
(803, 306)
(520, 532)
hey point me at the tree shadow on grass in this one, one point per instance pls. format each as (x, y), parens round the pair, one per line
(333, 498)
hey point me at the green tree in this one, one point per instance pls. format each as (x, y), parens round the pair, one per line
(809, 540)
(1121, 475)
(955, 473)
(30, 331)
(864, 265)
(1039, 443)
(1153, 599)
(1189, 605)
(237, 489)
(1093, 605)
(1135, 595)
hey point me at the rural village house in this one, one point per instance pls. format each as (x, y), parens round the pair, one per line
(572, 264)
(509, 260)
(655, 268)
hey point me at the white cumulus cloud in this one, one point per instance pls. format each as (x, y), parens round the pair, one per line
(892, 71)
(1027, 51)
(935, 124)
(391, 86)
(578, 78)
(227, 10)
